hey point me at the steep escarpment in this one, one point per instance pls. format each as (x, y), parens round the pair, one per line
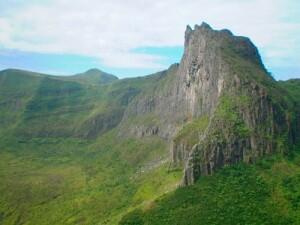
(248, 119)
(219, 106)
(246, 125)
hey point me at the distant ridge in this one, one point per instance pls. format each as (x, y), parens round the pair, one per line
(95, 75)
(91, 76)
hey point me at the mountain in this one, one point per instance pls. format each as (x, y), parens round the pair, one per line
(219, 106)
(227, 110)
(93, 76)
(198, 143)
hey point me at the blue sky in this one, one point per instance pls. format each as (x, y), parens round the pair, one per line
(140, 36)
(67, 64)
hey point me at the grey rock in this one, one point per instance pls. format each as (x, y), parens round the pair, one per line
(216, 65)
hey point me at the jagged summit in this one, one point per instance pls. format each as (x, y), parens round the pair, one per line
(220, 81)
(203, 36)
(203, 26)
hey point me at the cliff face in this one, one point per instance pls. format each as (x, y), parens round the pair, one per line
(247, 117)
(245, 125)
(219, 106)
(187, 90)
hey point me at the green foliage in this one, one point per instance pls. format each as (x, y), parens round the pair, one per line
(292, 87)
(75, 181)
(133, 218)
(228, 114)
(191, 131)
(264, 193)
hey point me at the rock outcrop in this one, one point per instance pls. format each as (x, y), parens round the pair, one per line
(221, 77)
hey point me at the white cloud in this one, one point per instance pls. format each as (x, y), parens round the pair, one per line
(111, 29)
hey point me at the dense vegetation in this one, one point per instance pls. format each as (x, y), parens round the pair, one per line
(71, 181)
(264, 193)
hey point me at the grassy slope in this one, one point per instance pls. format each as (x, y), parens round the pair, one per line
(69, 181)
(264, 193)
(51, 172)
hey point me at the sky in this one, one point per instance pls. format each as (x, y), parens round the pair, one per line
(139, 37)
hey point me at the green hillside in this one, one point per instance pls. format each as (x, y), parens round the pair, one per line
(264, 193)
(62, 160)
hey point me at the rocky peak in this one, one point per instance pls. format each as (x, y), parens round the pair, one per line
(204, 27)
(193, 88)
(204, 36)
(221, 78)
(188, 32)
